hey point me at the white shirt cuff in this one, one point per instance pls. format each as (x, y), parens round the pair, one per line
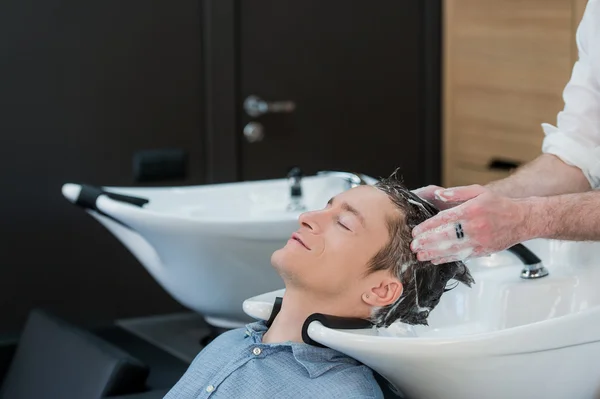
(573, 153)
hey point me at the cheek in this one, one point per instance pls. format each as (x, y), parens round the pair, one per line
(351, 252)
(346, 259)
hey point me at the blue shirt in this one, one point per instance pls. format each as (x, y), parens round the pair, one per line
(237, 364)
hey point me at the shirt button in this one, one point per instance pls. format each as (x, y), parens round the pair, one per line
(256, 351)
(210, 388)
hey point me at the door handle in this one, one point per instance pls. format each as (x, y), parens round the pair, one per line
(503, 164)
(255, 106)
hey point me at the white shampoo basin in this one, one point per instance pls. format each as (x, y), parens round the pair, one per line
(210, 246)
(504, 338)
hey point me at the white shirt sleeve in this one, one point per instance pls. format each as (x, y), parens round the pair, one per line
(576, 137)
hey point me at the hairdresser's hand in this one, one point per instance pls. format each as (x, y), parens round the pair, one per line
(485, 223)
(443, 198)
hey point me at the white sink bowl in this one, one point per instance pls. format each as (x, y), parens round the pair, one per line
(504, 338)
(210, 246)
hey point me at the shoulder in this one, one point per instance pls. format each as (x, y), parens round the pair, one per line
(353, 381)
(228, 336)
(334, 375)
(238, 336)
(227, 340)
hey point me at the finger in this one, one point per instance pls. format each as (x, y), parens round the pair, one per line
(428, 192)
(445, 235)
(449, 259)
(459, 194)
(458, 252)
(461, 255)
(449, 216)
(441, 261)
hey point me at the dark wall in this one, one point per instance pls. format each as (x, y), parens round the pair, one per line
(84, 84)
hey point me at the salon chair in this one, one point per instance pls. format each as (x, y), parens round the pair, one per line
(54, 359)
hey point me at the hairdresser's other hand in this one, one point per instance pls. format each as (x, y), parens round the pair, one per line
(443, 198)
(489, 223)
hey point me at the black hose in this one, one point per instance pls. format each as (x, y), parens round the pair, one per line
(525, 254)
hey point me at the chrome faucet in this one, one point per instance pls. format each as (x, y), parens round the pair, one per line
(352, 179)
(532, 265)
(295, 181)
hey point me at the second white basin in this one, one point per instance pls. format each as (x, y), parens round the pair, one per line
(208, 246)
(505, 337)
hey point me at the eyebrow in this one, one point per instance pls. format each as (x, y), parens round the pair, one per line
(349, 208)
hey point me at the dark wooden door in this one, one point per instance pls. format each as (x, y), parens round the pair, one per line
(362, 76)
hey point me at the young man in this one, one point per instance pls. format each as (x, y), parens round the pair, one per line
(351, 259)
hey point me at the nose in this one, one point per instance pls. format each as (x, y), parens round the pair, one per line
(309, 220)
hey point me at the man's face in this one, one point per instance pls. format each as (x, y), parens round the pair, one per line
(329, 254)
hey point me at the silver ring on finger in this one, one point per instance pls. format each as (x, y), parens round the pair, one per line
(460, 234)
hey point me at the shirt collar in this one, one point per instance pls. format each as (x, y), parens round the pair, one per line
(315, 360)
(256, 330)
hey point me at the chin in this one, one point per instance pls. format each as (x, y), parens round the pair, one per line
(281, 262)
(275, 258)
(278, 259)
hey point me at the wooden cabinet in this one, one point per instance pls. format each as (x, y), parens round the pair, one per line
(506, 63)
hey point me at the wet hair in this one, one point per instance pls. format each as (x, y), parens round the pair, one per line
(423, 282)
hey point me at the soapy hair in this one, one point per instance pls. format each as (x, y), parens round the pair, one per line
(423, 282)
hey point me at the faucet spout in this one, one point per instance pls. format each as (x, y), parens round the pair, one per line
(295, 180)
(352, 179)
(532, 265)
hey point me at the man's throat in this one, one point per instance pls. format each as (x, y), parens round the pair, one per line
(287, 325)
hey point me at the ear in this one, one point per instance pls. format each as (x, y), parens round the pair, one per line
(387, 291)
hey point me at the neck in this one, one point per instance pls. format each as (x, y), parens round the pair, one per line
(295, 309)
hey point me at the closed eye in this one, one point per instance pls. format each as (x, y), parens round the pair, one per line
(343, 225)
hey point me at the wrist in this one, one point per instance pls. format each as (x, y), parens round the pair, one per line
(536, 219)
(496, 187)
(507, 187)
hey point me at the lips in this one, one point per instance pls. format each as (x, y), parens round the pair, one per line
(296, 237)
